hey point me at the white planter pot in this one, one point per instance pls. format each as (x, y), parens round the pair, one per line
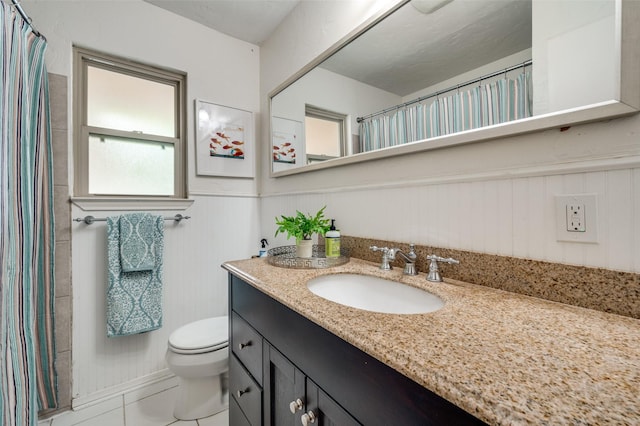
(304, 248)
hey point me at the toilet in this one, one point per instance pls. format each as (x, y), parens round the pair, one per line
(198, 355)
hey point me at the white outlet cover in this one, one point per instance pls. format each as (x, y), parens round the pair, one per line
(590, 235)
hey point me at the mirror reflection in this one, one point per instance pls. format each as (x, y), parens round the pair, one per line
(436, 67)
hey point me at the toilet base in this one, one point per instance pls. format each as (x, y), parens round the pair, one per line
(201, 397)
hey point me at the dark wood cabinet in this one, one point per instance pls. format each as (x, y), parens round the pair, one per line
(284, 386)
(326, 411)
(291, 398)
(246, 391)
(336, 383)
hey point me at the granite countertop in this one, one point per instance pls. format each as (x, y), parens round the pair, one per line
(506, 358)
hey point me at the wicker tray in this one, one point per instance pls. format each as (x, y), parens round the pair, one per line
(285, 257)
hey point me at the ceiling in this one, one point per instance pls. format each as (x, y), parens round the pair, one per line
(417, 49)
(410, 50)
(250, 20)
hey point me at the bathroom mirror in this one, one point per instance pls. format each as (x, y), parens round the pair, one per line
(431, 57)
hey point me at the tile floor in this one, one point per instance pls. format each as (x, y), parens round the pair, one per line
(157, 410)
(154, 410)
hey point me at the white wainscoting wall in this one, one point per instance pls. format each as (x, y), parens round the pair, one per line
(503, 215)
(221, 228)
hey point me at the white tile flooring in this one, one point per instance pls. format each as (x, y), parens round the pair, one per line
(154, 410)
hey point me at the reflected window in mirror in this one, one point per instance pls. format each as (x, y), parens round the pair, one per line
(324, 134)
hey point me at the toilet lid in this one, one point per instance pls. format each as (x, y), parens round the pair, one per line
(201, 336)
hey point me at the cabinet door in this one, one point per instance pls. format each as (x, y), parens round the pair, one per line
(284, 396)
(323, 411)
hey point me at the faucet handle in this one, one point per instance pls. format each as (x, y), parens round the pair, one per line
(433, 257)
(387, 254)
(434, 273)
(382, 249)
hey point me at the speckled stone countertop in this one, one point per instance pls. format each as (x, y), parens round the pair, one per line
(506, 358)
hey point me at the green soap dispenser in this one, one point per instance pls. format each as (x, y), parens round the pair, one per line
(332, 241)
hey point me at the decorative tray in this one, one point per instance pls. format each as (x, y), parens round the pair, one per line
(285, 257)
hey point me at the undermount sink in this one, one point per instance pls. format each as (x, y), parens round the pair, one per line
(374, 294)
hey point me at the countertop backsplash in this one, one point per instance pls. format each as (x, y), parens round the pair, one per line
(594, 288)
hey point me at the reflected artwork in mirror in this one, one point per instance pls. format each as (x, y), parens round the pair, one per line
(429, 74)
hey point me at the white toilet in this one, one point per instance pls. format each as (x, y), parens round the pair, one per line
(198, 354)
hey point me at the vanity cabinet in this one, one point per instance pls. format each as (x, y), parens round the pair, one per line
(337, 382)
(291, 398)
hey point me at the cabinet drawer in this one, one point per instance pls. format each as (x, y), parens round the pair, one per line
(245, 391)
(236, 416)
(246, 343)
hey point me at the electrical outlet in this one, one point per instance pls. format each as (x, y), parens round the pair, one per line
(577, 218)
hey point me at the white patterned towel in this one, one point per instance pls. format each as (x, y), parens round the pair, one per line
(134, 299)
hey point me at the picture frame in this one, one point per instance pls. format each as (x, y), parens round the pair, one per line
(286, 144)
(224, 141)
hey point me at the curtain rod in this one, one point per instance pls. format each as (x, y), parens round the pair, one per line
(439, 92)
(26, 18)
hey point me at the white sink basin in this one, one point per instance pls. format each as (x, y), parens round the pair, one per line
(374, 294)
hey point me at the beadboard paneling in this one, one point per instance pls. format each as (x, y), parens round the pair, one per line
(510, 217)
(195, 287)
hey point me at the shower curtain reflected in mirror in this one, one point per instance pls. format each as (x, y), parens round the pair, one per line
(503, 100)
(27, 374)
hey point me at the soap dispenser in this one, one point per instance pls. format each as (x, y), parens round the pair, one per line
(332, 241)
(263, 249)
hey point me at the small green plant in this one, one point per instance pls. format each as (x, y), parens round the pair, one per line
(302, 226)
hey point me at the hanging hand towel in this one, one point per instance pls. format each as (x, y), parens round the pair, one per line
(134, 299)
(137, 242)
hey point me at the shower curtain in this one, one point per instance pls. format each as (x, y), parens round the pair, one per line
(504, 100)
(27, 374)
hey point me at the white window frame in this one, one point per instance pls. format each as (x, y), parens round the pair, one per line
(324, 114)
(83, 58)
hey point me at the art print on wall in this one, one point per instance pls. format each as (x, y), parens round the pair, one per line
(224, 141)
(286, 142)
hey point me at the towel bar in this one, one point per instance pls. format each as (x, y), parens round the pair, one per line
(90, 219)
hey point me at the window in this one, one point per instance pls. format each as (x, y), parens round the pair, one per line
(324, 134)
(129, 128)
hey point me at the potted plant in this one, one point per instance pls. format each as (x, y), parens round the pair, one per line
(302, 227)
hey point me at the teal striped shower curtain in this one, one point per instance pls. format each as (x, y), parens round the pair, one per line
(27, 376)
(504, 100)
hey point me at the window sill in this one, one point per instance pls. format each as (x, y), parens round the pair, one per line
(122, 203)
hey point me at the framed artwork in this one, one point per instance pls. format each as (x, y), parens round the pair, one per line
(286, 141)
(224, 141)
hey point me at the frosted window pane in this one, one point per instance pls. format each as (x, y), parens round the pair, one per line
(123, 102)
(130, 167)
(322, 137)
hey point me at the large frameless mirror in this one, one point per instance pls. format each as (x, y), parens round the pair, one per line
(433, 73)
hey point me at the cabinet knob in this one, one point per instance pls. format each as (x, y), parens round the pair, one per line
(242, 392)
(307, 418)
(244, 345)
(296, 405)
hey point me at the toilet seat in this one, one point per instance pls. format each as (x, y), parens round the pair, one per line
(201, 336)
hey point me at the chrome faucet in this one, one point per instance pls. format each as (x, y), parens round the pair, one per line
(389, 254)
(434, 273)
